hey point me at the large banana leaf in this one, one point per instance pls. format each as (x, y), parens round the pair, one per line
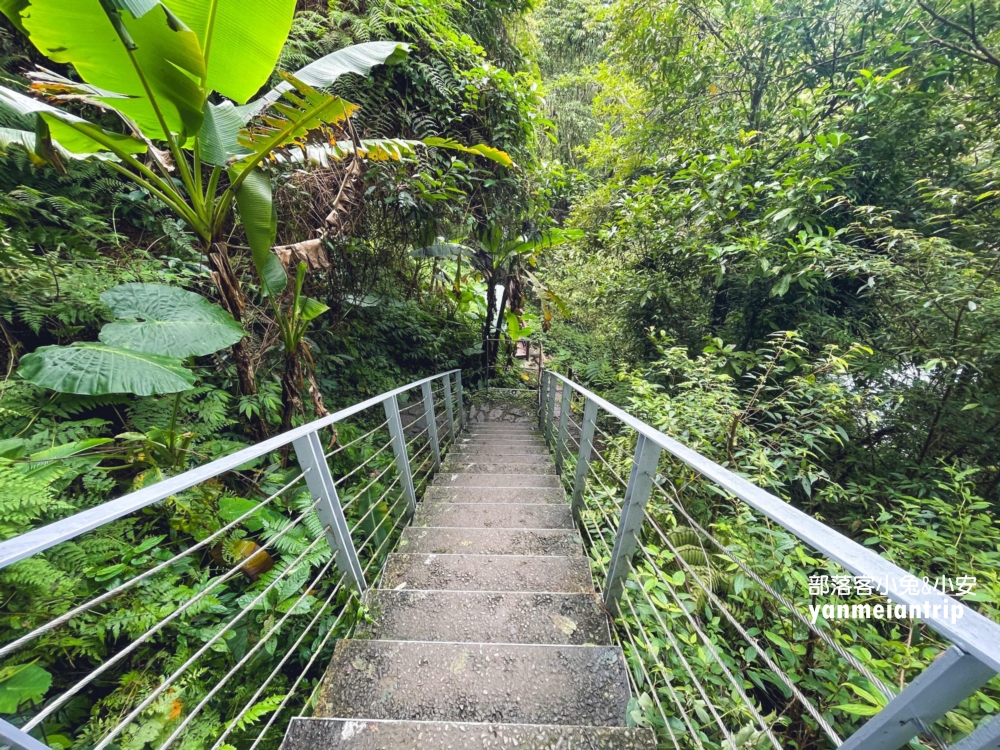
(97, 43)
(300, 109)
(219, 135)
(358, 59)
(260, 222)
(168, 320)
(95, 369)
(381, 149)
(75, 135)
(241, 40)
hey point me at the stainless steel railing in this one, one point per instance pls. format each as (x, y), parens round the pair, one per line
(323, 534)
(659, 566)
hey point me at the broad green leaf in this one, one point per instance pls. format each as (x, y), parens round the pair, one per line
(290, 119)
(493, 154)
(95, 369)
(513, 326)
(23, 683)
(439, 250)
(858, 709)
(49, 464)
(241, 40)
(170, 321)
(81, 33)
(260, 221)
(74, 134)
(310, 308)
(219, 134)
(275, 277)
(324, 72)
(12, 9)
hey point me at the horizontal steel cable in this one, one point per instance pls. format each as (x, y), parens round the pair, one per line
(219, 684)
(687, 666)
(363, 490)
(64, 618)
(785, 679)
(416, 437)
(717, 657)
(105, 666)
(231, 725)
(374, 505)
(362, 465)
(841, 651)
(673, 694)
(345, 446)
(211, 641)
(302, 674)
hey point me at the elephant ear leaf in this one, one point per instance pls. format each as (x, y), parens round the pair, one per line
(167, 320)
(96, 369)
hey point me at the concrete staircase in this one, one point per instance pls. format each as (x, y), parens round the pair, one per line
(486, 629)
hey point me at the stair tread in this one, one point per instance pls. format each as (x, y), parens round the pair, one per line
(460, 479)
(487, 617)
(488, 573)
(498, 515)
(457, 465)
(360, 734)
(519, 684)
(504, 453)
(531, 495)
(466, 541)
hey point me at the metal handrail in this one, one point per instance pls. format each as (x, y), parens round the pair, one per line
(966, 666)
(326, 508)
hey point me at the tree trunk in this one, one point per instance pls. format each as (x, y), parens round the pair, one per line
(233, 300)
(291, 390)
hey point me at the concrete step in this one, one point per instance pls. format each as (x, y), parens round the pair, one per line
(491, 465)
(476, 617)
(360, 734)
(562, 574)
(535, 495)
(488, 516)
(531, 454)
(518, 684)
(512, 431)
(440, 541)
(503, 426)
(456, 479)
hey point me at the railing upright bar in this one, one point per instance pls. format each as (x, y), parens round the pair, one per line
(640, 483)
(449, 408)
(550, 409)
(11, 736)
(986, 737)
(543, 390)
(432, 427)
(564, 408)
(583, 456)
(461, 399)
(946, 682)
(391, 405)
(309, 452)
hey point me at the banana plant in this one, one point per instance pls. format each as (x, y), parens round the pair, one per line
(503, 263)
(180, 75)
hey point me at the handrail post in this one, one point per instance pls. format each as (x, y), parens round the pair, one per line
(550, 407)
(432, 427)
(564, 409)
(449, 407)
(583, 457)
(946, 682)
(391, 405)
(640, 484)
(309, 453)
(461, 399)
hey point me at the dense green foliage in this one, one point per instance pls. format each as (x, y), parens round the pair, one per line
(790, 264)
